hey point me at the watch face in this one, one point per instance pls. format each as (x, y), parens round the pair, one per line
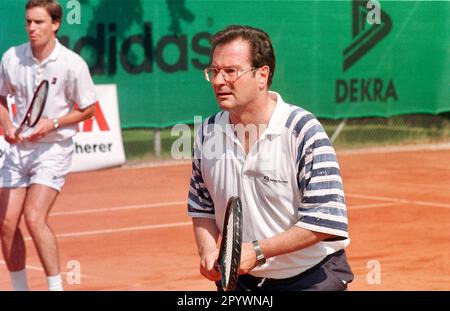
(261, 260)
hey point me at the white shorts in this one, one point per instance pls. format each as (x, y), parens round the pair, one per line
(37, 163)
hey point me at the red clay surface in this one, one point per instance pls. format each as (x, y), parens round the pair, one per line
(128, 228)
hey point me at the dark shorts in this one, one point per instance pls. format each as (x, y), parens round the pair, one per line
(331, 274)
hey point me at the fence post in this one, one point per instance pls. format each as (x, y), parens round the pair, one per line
(338, 130)
(157, 142)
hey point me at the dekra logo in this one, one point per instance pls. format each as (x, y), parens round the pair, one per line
(365, 38)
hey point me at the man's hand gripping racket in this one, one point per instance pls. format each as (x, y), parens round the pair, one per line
(230, 247)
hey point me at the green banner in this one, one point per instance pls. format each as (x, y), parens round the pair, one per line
(338, 59)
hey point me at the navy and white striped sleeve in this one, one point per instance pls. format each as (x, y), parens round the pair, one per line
(322, 206)
(200, 203)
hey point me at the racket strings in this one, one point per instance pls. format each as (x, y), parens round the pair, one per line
(230, 248)
(38, 104)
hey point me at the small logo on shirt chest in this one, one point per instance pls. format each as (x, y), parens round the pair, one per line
(268, 179)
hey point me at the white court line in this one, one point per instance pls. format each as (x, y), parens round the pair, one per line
(371, 205)
(117, 208)
(343, 152)
(177, 203)
(116, 230)
(394, 149)
(153, 164)
(30, 267)
(390, 201)
(361, 196)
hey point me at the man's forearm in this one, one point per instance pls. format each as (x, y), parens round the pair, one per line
(5, 121)
(76, 116)
(294, 239)
(206, 235)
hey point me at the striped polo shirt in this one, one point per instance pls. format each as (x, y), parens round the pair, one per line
(290, 177)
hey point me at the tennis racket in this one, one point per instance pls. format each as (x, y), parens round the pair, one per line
(36, 108)
(230, 247)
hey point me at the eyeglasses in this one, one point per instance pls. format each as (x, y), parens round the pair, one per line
(229, 74)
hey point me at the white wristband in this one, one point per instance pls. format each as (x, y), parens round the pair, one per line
(260, 258)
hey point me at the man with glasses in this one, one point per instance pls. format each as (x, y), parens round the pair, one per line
(279, 160)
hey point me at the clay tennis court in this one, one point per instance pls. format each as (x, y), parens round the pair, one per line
(128, 229)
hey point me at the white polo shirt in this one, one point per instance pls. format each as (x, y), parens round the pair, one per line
(67, 73)
(290, 177)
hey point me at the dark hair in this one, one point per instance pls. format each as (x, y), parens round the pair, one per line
(52, 7)
(261, 50)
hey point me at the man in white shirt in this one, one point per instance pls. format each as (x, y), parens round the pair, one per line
(36, 164)
(278, 159)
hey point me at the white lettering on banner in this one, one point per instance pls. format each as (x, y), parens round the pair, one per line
(98, 143)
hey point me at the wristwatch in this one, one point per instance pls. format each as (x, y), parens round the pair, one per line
(260, 259)
(55, 123)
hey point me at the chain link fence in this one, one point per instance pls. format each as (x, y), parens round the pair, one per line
(352, 133)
